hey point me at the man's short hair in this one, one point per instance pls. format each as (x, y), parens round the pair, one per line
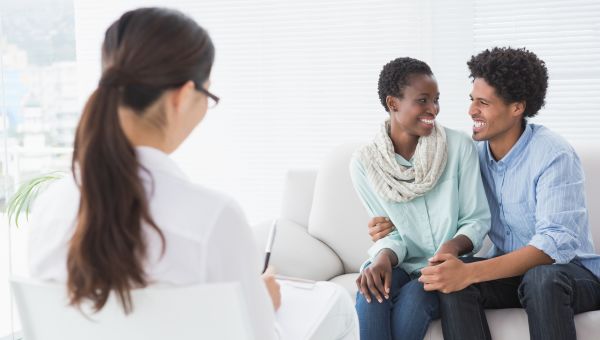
(515, 73)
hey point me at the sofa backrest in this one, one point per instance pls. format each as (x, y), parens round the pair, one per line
(338, 218)
(298, 195)
(589, 153)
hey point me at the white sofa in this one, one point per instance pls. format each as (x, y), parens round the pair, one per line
(322, 235)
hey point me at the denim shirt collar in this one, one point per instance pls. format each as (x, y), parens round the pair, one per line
(517, 150)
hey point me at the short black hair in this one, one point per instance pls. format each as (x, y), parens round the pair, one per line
(515, 73)
(394, 77)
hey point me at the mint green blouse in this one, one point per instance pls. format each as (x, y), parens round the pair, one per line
(457, 205)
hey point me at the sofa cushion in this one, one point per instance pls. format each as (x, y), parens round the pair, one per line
(505, 324)
(347, 281)
(512, 324)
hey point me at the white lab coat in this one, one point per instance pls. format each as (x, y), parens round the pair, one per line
(207, 236)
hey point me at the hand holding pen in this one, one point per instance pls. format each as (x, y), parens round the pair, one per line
(268, 275)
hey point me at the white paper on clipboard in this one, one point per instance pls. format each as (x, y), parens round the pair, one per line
(304, 307)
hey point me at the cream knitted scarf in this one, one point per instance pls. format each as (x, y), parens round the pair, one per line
(398, 183)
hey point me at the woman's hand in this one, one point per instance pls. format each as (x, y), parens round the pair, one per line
(376, 279)
(272, 287)
(379, 227)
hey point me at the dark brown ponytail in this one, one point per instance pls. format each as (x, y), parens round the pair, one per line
(145, 52)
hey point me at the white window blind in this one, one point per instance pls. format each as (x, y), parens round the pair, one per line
(299, 77)
(565, 34)
(296, 78)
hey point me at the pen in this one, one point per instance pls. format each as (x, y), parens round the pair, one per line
(270, 244)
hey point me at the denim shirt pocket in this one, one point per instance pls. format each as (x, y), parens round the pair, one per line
(520, 218)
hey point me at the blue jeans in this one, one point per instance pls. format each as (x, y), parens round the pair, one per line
(406, 315)
(551, 295)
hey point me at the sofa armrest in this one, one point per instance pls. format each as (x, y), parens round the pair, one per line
(296, 253)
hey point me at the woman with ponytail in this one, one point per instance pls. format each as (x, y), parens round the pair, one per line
(129, 217)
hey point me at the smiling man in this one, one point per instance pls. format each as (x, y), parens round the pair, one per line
(543, 257)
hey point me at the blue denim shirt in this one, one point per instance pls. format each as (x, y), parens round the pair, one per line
(536, 196)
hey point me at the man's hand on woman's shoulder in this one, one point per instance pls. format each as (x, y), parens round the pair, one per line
(380, 227)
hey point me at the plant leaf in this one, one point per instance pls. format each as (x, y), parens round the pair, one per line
(23, 198)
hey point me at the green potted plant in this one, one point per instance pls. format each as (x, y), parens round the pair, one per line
(23, 198)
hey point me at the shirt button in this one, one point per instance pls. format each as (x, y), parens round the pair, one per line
(508, 232)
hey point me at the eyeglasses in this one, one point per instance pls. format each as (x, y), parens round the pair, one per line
(213, 100)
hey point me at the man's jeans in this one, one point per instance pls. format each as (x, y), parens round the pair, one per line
(551, 295)
(406, 315)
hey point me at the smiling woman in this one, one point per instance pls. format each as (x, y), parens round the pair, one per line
(412, 169)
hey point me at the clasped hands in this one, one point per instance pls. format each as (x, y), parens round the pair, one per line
(444, 273)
